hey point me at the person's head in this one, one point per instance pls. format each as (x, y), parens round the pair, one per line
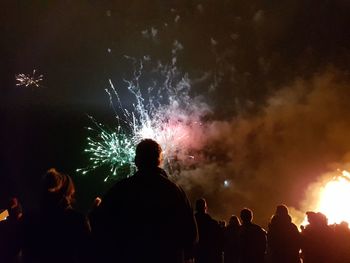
(321, 219)
(234, 221)
(311, 217)
(246, 215)
(58, 189)
(281, 210)
(14, 208)
(201, 205)
(344, 225)
(148, 154)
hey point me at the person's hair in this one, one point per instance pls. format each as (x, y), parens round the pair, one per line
(282, 210)
(311, 217)
(246, 215)
(201, 205)
(58, 189)
(234, 221)
(148, 154)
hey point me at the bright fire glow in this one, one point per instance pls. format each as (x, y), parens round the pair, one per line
(334, 199)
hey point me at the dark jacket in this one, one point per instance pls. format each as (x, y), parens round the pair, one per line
(252, 243)
(283, 239)
(209, 247)
(144, 218)
(231, 244)
(55, 235)
(317, 244)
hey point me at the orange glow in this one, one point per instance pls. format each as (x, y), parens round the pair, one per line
(334, 199)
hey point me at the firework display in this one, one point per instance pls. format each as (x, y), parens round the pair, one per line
(163, 111)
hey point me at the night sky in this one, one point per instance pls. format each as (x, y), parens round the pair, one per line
(274, 74)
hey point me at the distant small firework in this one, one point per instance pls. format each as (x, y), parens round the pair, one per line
(26, 80)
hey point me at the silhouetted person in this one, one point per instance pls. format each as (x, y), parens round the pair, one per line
(283, 238)
(209, 247)
(252, 239)
(10, 233)
(317, 240)
(56, 233)
(342, 243)
(231, 240)
(146, 217)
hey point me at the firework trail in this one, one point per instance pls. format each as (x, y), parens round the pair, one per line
(163, 111)
(26, 80)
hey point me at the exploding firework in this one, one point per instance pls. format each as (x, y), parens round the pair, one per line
(26, 80)
(112, 148)
(163, 111)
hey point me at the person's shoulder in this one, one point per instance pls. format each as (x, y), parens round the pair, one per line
(124, 181)
(120, 186)
(205, 217)
(258, 228)
(168, 182)
(293, 227)
(76, 218)
(140, 180)
(211, 219)
(73, 213)
(162, 177)
(31, 216)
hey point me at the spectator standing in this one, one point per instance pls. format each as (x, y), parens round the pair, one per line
(318, 244)
(231, 240)
(342, 243)
(252, 239)
(146, 217)
(209, 247)
(56, 233)
(283, 238)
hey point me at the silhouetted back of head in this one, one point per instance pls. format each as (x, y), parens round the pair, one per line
(344, 225)
(311, 217)
(282, 210)
(201, 205)
(234, 221)
(321, 219)
(148, 154)
(58, 189)
(246, 215)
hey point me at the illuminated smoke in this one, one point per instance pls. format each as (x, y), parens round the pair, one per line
(256, 160)
(273, 155)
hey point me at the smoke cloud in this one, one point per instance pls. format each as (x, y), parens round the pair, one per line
(276, 154)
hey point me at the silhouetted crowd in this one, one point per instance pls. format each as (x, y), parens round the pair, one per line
(148, 218)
